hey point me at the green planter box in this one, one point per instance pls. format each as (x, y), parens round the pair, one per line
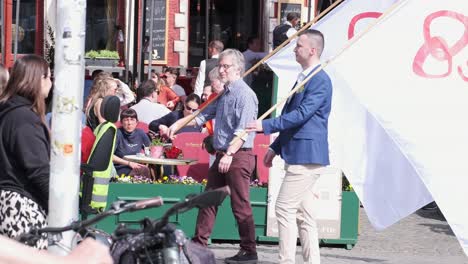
(171, 193)
(225, 227)
(349, 221)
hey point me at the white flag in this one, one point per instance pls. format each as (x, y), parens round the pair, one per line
(382, 206)
(343, 22)
(403, 106)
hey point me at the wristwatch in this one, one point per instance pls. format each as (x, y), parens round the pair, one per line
(229, 154)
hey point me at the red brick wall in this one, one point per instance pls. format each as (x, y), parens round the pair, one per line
(172, 33)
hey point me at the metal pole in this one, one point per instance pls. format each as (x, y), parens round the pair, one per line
(138, 43)
(17, 28)
(66, 117)
(207, 27)
(150, 57)
(2, 11)
(266, 25)
(127, 35)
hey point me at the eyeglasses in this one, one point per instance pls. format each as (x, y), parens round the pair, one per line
(225, 66)
(190, 109)
(164, 77)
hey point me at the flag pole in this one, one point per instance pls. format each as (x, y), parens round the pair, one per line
(305, 27)
(286, 42)
(323, 65)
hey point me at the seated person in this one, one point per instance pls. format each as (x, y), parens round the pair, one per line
(148, 108)
(166, 95)
(170, 76)
(130, 141)
(191, 104)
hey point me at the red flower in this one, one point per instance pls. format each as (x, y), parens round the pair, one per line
(172, 152)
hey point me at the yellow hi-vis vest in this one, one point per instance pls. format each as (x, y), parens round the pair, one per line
(101, 178)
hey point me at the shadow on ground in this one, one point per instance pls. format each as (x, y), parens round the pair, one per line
(435, 214)
(370, 260)
(440, 229)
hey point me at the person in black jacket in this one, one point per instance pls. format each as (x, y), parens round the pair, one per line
(24, 148)
(191, 104)
(284, 31)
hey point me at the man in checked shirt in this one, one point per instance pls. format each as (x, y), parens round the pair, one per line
(234, 164)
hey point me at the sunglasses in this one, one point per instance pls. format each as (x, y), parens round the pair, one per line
(190, 109)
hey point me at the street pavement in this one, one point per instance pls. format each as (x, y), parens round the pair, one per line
(421, 238)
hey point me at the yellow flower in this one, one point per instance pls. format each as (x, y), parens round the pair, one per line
(300, 90)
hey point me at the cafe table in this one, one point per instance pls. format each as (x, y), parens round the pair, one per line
(160, 161)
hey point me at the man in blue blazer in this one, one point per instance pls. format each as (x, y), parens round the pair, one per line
(303, 144)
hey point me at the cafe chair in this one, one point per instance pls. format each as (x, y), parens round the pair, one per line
(191, 145)
(261, 145)
(97, 170)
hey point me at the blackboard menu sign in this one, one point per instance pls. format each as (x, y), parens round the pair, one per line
(288, 6)
(158, 17)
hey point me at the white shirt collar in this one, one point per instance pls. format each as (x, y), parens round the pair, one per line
(288, 23)
(215, 56)
(306, 72)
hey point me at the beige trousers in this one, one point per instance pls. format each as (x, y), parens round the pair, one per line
(295, 212)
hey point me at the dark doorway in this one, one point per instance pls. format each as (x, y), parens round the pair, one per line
(232, 22)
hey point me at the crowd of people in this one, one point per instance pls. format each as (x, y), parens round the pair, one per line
(160, 105)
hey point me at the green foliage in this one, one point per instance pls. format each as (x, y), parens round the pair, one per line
(108, 54)
(346, 186)
(157, 141)
(92, 54)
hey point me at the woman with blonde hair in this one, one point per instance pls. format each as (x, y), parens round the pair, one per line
(102, 87)
(24, 148)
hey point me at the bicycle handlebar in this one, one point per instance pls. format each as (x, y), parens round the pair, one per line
(116, 208)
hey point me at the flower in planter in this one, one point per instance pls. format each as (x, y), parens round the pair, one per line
(345, 185)
(173, 153)
(171, 179)
(204, 182)
(132, 179)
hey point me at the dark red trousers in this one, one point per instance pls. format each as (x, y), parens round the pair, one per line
(238, 179)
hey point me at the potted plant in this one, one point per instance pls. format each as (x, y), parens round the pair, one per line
(107, 58)
(156, 148)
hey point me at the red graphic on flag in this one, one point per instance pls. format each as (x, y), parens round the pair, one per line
(356, 18)
(438, 48)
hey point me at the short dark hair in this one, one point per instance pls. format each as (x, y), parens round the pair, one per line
(147, 88)
(128, 113)
(96, 73)
(316, 36)
(193, 97)
(173, 71)
(293, 15)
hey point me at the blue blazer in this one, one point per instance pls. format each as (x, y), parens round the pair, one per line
(303, 124)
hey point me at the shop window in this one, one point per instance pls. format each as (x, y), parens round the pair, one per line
(232, 22)
(101, 24)
(27, 26)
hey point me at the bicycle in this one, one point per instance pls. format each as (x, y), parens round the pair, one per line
(158, 241)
